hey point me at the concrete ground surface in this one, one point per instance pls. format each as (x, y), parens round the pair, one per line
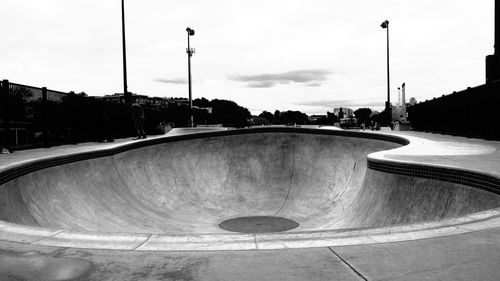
(470, 256)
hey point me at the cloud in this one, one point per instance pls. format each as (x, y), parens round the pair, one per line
(260, 84)
(172, 81)
(313, 84)
(309, 77)
(342, 103)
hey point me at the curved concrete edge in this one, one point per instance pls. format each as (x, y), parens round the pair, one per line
(235, 241)
(17, 168)
(23, 233)
(422, 147)
(384, 161)
(89, 240)
(207, 242)
(194, 130)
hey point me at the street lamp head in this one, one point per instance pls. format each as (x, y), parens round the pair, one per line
(385, 24)
(190, 31)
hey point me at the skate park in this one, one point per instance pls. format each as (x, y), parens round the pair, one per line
(413, 195)
(367, 192)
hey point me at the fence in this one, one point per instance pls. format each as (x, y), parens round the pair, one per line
(473, 112)
(39, 117)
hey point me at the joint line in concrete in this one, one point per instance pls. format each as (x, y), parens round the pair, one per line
(48, 237)
(143, 242)
(255, 241)
(348, 265)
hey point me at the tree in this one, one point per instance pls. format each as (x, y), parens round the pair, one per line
(258, 121)
(203, 102)
(229, 113)
(363, 115)
(332, 118)
(294, 117)
(177, 114)
(322, 120)
(19, 109)
(277, 117)
(268, 116)
(81, 94)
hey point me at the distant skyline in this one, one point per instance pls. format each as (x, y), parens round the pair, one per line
(302, 55)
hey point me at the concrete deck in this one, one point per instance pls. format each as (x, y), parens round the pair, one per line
(472, 253)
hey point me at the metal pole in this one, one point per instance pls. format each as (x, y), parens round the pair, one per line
(388, 75)
(189, 83)
(125, 91)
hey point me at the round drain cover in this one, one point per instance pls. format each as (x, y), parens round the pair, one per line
(258, 224)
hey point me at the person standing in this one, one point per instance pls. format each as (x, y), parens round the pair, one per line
(138, 118)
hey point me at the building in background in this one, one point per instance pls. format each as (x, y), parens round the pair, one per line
(344, 111)
(158, 102)
(315, 118)
(399, 110)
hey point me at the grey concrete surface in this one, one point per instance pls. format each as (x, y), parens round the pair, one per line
(302, 264)
(473, 256)
(191, 186)
(470, 256)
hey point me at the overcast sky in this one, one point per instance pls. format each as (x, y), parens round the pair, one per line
(307, 55)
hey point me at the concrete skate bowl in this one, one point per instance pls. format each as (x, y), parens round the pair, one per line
(182, 192)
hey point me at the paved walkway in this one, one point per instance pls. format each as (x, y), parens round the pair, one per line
(470, 256)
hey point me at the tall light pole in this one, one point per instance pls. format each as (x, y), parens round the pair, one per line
(385, 25)
(126, 94)
(190, 53)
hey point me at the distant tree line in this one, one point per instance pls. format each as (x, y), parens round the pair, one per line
(361, 116)
(224, 112)
(75, 117)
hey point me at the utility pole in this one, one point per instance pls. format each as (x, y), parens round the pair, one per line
(190, 52)
(126, 94)
(385, 25)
